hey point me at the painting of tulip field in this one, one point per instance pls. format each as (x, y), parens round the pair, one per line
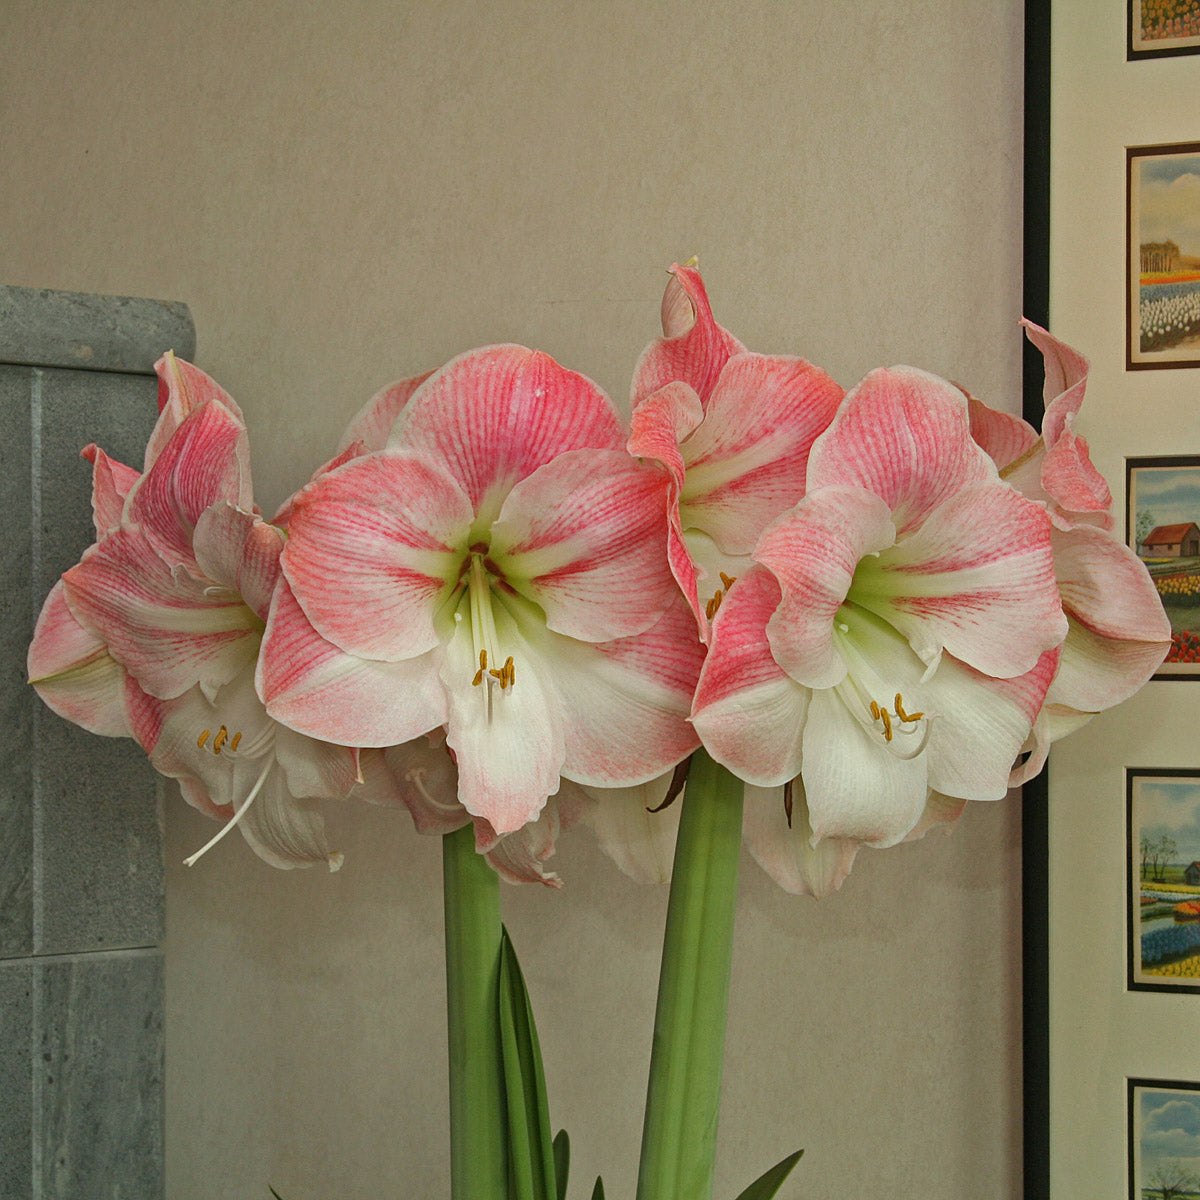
(1163, 528)
(1163, 826)
(1159, 27)
(1164, 1140)
(1164, 256)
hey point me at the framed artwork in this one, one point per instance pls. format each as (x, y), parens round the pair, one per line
(1162, 303)
(1162, 27)
(1162, 526)
(1164, 1139)
(1162, 822)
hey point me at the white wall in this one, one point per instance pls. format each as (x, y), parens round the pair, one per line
(349, 193)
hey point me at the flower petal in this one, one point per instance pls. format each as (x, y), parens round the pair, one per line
(583, 538)
(182, 388)
(372, 424)
(904, 435)
(639, 840)
(239, 551)
(311, 685)
(374, 549)
(1005, 438)
(111, 483)
(694, 348)
(72, 671)
(746, 461)
(494, 415)
(286, 831)
(428, 783)
(785, 850)
(747, 710)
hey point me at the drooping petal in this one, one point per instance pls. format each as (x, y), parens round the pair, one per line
(786, 851)
(940, 812)
(207, 461)
(239, 551)
(314, 769)
(286, 831)
(813, 551)
(746, 461)
(372, 424)
(111, 483)
(428, 782)
(182, 388)
(508, 742)
(904, 435)
(73, 672)
(976, 579)
(624, 703)
(583, 538)
(164, 625)
(520, 857)
(494, 415)
(694, 347)
(374, 550)
(747, 711)
(638, 839)
(316, 688)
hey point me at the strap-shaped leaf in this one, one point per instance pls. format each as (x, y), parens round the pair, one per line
(598, 1190)
(531, 1151)
(769, 1182)
(562, 1162)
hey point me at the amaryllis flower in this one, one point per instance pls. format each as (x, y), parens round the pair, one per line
(154, 634)
(895, 636)
(732, 431)
(497, 570)
(1118, 632)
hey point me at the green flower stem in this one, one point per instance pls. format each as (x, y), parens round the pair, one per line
(679, 1137)
(478, 1129)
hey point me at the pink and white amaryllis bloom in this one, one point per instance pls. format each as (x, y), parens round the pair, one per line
(154, 634)
(895, 637)
(1118, 632)
(732, 431)
(497, 571)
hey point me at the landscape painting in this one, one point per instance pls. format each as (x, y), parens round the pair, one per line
(1159, 27)
(1163, 300)
(1164, 1140)
(1163, 528)
(1163, 828)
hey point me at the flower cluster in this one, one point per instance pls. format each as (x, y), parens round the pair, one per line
(498, 604)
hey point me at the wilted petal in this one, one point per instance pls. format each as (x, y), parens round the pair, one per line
(639, 839)
(73, 672)
(372, 424)
(286, 831)
(785, 849)
(520, 857)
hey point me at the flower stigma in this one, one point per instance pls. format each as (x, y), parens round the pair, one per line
(237, 816)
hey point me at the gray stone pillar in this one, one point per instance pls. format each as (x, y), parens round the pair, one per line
(81, 879)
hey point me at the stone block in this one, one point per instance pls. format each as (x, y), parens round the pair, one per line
(16, 1080)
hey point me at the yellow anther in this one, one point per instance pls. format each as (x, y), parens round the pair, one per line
(874, 711)
(203, 738)
(482, 667)
(233, 744)
(728, 580)
(510, 672)
(886, 718)
(710, 609)
(220, 740)
(907, 718)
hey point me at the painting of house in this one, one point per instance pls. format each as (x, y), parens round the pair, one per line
(1172, 541)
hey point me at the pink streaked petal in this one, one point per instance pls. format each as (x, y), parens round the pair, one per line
(72, 671)
(980, 725)
(240, 552)
(205, 462)
(311, 685)
(1073, 483)
(855, 787)
(182, 388)
(633, 830)
(508, 743)
(976, 579)
(520, 857)
(1098, 671)
(583, 538)
(694, 348)
(747, 711)
(283, 515)
(624, 703)
(374, 549)
(111, 483)
(1066, 379)
(1004, 437)
(372, 424)
(746, 462)
(784, 849)
(166, 626)
(813, 551)
(428, 783)
(904, 435)
(493, 416)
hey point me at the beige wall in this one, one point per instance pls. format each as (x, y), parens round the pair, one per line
(345, 194)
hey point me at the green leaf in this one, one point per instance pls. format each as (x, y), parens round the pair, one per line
(562, 1161)
(769, 1182)
(274, 1192)
(531, 1151)
(598, 1190)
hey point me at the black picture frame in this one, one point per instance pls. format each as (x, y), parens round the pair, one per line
(1139, 46)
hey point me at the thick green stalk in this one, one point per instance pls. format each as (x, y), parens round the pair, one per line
(478, 1128)
(679, 1137)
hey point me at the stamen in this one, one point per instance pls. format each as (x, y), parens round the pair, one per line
(886, 718)
(220, 740)
(203, 738)
(728, 580)
(874, 711)
(482, 667)
(237, 816)
(233, 745)
(907, 718)
(710, 609)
